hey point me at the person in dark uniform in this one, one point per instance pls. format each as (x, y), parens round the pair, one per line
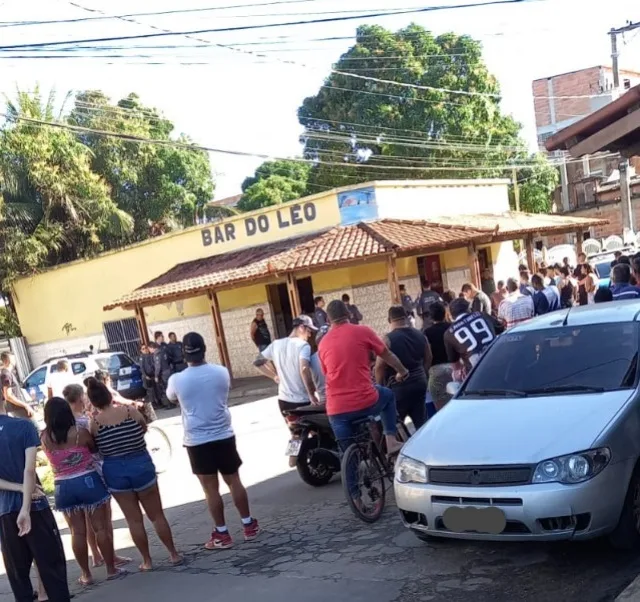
(319, 315)
(162, 369)
(176, 357)
(467, 337)
(147, 365)
(260, 334)
(412, 349)
(424, 301)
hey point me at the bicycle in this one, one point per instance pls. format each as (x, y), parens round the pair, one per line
(158, 442)
(365, 462)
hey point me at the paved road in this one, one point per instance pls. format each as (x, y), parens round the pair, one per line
(314, 550)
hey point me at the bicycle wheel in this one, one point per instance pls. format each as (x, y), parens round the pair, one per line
(363, 482)
(159, 447)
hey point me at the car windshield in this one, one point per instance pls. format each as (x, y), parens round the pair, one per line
(603, 269)
(555, 361)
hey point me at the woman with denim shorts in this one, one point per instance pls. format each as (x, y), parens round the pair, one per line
(128, 469)
(78, 486)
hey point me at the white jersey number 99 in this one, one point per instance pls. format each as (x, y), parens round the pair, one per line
(475, 333)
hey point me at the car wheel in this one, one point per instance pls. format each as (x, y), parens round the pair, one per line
(626, 535)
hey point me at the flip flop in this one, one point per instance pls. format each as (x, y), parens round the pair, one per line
(145, 570)
(83, 583)
(118, 575)
(177, 562)
(124, 560)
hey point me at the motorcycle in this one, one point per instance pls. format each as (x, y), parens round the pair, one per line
(312, 445)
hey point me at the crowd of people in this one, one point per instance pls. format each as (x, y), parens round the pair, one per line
(94, 441)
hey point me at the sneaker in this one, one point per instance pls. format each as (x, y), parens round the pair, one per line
(252, 530)
(219, 541)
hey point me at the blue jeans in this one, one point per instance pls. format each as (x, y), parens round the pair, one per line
(385, 407)
(133, 472)
(86, 492)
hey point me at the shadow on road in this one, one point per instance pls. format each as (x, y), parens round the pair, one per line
(310, 534)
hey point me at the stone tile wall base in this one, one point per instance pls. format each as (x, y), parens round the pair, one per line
(43, 351)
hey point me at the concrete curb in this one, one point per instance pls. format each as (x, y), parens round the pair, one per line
(631, 593)
(259, 392)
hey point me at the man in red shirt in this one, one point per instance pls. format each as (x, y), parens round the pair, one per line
(345, 357)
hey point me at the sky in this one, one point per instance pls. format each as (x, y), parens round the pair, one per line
(245, 98)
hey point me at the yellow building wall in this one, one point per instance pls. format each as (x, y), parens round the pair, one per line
(75, 293)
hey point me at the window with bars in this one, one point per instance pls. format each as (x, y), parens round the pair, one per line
(123, 335)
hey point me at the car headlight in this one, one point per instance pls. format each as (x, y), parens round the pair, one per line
(409, 470)
(573, 468)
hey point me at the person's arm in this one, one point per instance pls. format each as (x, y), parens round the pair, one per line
(85, 438)
(172, 394)
(157, 365)
(392, 360)
(380, 366)
(7, 382)
(138, 417)
(28, 482)
(253, 331)
(268, 369)
(356, 313)
(428, 356)
(305, 373)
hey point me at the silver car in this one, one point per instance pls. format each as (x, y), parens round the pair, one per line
(541, 442)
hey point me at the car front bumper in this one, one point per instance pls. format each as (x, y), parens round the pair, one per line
(548, 511)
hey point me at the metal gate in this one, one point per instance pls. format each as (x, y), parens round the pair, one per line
(123, 335)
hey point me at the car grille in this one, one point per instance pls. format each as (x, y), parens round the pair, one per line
(487, 476)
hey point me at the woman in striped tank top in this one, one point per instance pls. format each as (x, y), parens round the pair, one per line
(80, 405)
(78, 487)
(128, 469)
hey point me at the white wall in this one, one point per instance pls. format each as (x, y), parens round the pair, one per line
(435, 199)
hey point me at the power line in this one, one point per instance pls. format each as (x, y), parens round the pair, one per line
(104, 17)
(260, 26)
(189, 146)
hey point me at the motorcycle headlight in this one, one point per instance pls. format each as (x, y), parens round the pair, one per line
(409, 470)
(573, 468)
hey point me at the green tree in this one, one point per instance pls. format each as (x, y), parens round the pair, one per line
(386, 131)
(53, 207)
(274, 182)
(163, 187)
(537, 184)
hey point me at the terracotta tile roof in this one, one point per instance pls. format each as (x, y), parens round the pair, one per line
(342, 244)
(197, 276)
(408, 235)
(512, 223)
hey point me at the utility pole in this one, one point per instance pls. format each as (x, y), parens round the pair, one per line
(628, 221)
(516, 188)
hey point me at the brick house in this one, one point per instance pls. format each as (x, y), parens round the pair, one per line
(563, 99)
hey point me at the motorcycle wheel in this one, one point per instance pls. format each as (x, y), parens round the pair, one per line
(316, 477)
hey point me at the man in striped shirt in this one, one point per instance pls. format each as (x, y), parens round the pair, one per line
(622, 288)
(516, 308)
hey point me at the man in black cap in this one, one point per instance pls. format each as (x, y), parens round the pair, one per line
(202, 390)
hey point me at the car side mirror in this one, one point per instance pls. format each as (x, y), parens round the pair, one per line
(453, 388)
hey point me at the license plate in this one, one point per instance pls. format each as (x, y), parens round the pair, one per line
(476, 520)
(123, 384)
(293, 447)
(124, 371)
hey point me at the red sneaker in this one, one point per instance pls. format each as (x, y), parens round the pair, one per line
(252, 530)
(219, 541)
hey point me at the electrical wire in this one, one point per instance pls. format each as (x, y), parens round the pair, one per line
(104, 17)
(198, 147)
(260, 26)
